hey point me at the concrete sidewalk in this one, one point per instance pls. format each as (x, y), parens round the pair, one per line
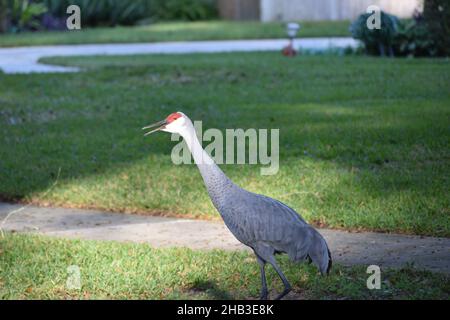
(25, 59)
(386, 250)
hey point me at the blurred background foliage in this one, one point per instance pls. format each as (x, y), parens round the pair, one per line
(21, 15)
(376, 41)
(426, 34)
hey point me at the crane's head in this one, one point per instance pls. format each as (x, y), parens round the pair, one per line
(176, 122)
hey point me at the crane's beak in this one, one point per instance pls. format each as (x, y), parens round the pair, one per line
(155, 127)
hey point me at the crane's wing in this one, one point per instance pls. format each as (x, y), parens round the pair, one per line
(260, 218)
(288, 210)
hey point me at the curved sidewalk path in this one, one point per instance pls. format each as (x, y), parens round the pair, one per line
(25, 59)
(365, 248)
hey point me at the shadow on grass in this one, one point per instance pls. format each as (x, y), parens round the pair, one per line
(209, 289)
(340, 115)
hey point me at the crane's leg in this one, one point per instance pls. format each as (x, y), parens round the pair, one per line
(287, 285)
(262, 265)
(266, 253)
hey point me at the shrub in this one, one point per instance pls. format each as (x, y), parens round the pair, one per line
(186, 9)
(427, 34)
(413, 39)
(17, 15)
(103, 12)
(3, 16)
(376, 41)
(436, 17)
(24, 14)
(129, 12)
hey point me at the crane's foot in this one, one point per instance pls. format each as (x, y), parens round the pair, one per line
(285, 292)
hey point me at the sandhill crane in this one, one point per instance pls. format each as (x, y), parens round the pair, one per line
(266, 225)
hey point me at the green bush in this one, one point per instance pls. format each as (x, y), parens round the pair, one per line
(129, 12)
(186, 9)
(427, 34)
(413, 39)
(3, 16)
(376, 41)
(436, 17)
(24, 14)
(18, 15)
(104, 12)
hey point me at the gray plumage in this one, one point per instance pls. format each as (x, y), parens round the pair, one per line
(266, 225)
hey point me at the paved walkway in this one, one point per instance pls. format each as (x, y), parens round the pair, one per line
(25, 59)
(388, 250)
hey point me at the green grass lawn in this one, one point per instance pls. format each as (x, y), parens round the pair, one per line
(33, 267)
(177, 31)
(364, 142)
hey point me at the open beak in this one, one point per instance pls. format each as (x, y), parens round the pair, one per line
(155, 127)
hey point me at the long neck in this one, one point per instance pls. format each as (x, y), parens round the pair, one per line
(215, 180)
